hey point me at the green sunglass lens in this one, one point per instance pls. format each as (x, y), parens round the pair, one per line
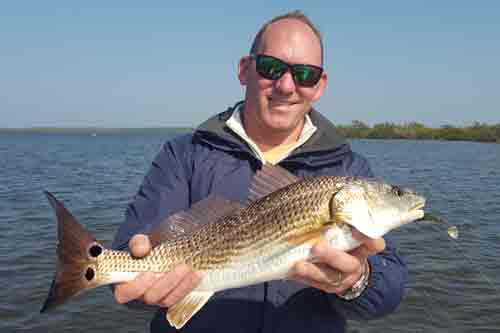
(271, 68)
(305, 76)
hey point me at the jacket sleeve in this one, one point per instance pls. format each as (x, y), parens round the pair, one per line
(388, 273)
(164, 191)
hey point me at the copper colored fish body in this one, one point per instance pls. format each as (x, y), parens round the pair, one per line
(236, 245)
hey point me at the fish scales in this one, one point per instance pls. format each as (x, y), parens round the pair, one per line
(286, 213)
(289, 211)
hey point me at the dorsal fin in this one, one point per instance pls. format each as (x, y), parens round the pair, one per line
(203, 212)
(269, 179)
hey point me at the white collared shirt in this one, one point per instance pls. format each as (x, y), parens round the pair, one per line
(235, 123)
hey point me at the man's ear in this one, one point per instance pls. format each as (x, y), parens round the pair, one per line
(243, 68)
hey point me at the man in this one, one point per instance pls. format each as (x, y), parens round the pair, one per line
(274, 124)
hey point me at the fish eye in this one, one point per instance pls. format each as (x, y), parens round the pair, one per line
(397, 190)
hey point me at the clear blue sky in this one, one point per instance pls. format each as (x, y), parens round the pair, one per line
(151, 63)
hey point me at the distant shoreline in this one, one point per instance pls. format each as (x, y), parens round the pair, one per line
(358, 130)
(95, 130)
(478, 132)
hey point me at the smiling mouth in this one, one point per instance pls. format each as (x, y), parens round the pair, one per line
(274, 102)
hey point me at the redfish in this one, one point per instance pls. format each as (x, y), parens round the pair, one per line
(234, 244)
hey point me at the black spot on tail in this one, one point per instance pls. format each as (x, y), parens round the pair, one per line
(90, 274)
(95, 250)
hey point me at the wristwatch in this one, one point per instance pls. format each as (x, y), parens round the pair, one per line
(360, 285)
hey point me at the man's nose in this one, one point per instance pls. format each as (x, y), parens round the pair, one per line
(285, 84)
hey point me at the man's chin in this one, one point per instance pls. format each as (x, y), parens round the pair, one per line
(281, 125)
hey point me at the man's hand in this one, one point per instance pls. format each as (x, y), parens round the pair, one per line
(156, 289)
(335, 271)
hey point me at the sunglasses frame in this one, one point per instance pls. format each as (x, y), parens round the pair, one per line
(289, 68)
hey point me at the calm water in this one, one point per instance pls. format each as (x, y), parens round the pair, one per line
(453, 285)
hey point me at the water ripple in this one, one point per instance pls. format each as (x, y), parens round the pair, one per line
(448, 288)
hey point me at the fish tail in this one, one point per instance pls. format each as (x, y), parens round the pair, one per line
(77, 253)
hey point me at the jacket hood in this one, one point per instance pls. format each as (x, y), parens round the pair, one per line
(324, 147)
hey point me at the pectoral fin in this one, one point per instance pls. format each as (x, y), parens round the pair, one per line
(363, 222)
(179, 314)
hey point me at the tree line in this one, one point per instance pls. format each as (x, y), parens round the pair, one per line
(415, 131)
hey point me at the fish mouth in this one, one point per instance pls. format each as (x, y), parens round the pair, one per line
(414, 214)
(417, 211)
(419, 206)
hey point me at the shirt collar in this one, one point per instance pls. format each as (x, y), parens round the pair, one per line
(235, 123)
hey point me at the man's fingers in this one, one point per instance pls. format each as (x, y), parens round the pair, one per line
(164, 285)
(334, 258)
(368, 249)
(369, 246)
(330, 284)
(128, 291)
(375, 245)
(321, 274)
(187, 284)
(356, 234)
(139, 245)
(306, 270)
(154, 289)
(329, 288)
(361, 252)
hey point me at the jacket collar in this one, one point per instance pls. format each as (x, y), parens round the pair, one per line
(323, 145)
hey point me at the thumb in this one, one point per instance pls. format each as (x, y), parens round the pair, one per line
(139, 245)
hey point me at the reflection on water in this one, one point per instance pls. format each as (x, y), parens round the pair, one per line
(451, 285)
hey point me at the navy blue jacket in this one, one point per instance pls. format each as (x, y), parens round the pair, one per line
(214, 160)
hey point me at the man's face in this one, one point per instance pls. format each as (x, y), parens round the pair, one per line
(281, 105)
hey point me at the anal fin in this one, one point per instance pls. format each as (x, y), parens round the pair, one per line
(179, 314)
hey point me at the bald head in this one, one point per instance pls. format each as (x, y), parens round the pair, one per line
(295, 19)
(292, 40)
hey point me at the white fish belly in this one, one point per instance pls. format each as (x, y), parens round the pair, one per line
(254, 271)
(272, 267)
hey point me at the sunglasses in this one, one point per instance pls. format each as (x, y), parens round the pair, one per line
(272, 68)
